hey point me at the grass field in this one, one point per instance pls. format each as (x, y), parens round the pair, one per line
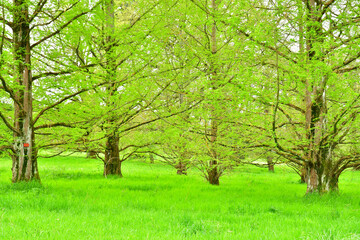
(152, 202)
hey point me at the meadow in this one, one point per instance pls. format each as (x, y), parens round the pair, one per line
(75, 201)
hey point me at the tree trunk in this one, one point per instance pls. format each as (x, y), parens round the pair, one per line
(112, 163)
(113, 169)
(303, 175)
(24, 162)
(320, 175)
(319, 181)
(91, 154)
(24, 157)
(151, 158)
(213, 174)
(181, 168)
(270, 164)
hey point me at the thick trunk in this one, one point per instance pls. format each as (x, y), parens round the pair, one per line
(320, 177)
(24, 161)
(319, 181)
(113, 169)
(24, 158)
(112, 163)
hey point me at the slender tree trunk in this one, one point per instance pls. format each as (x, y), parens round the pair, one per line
(91, 154)
(24, 158)
(151, 156)
(270, 164)
(181, 171)
(213, 174)
(181, 168)
(303, 175)
(112, 163)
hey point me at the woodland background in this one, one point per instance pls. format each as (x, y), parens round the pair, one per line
(196, 84)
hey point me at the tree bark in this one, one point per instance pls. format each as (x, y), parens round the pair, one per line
(271, 164)
(320, 181)
(213, 173)
(181, 168)
(303, 175)
(91, 154)
(113, 169)
(112, 163)
(24, 158)
(151, 156)
(213, 168)
(320, 177)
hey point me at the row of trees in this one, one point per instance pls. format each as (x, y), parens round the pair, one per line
(194, 82)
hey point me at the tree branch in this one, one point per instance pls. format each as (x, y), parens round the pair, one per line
(46, 74)
(63, 26)
(8, 124)
(38, 9)
(9, 91)
(64, 99)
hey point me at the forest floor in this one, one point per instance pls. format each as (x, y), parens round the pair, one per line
(75, 201)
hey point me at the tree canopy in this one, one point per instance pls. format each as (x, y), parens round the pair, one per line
(198, 83)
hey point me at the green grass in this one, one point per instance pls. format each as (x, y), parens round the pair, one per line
(152, 202)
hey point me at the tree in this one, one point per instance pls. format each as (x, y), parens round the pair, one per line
(213, 60)
(32, 24)
(314, 46)
(121, 50)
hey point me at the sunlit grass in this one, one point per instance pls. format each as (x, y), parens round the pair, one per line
(75, 201)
